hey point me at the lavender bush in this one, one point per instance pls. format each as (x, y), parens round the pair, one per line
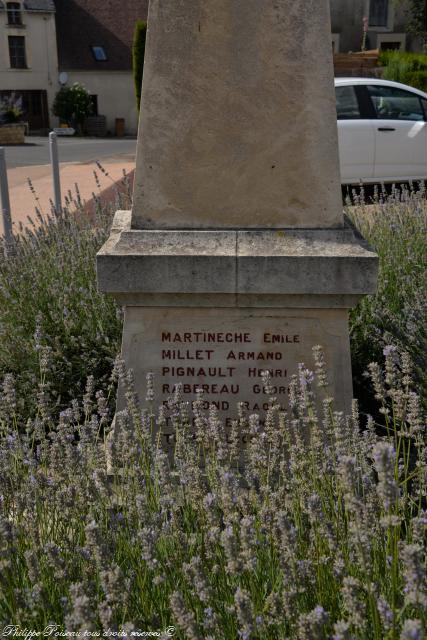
(48, 296)
(48, 291)
(395, 225)
(319, 534)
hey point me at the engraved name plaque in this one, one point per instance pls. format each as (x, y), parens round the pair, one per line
(224, 354)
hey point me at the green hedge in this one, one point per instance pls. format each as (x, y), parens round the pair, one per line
(138, 53)
(408, 68)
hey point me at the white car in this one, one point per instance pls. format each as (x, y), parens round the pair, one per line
(382, 131)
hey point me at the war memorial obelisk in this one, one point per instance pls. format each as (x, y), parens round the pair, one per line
(236, 257)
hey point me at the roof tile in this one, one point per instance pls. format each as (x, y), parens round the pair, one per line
(82, 24)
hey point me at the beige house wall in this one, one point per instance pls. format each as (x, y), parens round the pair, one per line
(41, 52)
(116, 95)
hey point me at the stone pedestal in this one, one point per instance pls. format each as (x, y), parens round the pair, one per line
(236, 257)
(238, 120)
(213, 309)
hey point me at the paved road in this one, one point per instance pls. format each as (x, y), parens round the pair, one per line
(36, 151)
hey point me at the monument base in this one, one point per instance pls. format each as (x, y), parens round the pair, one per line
(213, 309)
(224, 352)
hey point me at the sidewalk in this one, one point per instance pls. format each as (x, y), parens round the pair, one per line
(23, 201)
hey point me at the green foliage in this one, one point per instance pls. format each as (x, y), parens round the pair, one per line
(320, 534)
(138, 53)
(10, 110)
(417, 79)
(408, 68)
(396, 227)
(12, 115)
(49, 298)
(417, 18)
(72, 104)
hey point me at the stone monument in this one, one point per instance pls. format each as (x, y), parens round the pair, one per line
(236, 257)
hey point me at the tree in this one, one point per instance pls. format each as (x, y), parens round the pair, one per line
(72, 105)
(138, 53)
(417, 17)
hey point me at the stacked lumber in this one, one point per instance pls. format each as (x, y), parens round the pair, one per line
(362, 63)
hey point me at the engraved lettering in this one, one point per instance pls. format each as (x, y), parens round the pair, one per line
(274, 373)
(179, 354)
(193, 372)
(253, 355)
(205, 336)
(270, 338)
(260, 389)
(212, 389)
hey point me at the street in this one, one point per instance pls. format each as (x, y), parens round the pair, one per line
(81, 150)
(77, 156)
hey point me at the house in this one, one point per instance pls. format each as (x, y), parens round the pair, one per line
(386, 25)
(95, 49)
(46, 43)
(28, 58)
(95, 44)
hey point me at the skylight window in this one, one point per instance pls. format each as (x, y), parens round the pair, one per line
(99, 53)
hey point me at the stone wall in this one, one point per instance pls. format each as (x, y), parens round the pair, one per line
(12, 134)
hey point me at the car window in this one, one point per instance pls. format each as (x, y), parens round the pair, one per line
(347, 103)
(424, 103)
(395, 104)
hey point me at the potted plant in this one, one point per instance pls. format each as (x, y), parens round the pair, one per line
(72, 105)
(12, 129)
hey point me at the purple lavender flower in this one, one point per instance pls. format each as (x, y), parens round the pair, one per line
(149, 396)
(389, 350)
(386, 614)
(413, 569)
(412, 630)
(384, 462)
(342, 631)
(311, 626)
(306, 376)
